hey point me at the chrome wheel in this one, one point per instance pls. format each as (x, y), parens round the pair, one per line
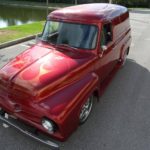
(86, 110)
(124, 59)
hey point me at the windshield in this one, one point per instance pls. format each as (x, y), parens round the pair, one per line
(74, 35)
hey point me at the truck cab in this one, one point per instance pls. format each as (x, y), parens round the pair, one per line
(52, 85)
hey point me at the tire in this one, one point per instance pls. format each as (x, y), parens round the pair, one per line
(86, 109)
(123, 60)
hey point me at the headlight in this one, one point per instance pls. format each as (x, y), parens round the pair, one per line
(48, 125)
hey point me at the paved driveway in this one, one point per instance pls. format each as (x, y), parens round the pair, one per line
(121, 121)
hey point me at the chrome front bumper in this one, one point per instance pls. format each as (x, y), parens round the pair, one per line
(4, 120)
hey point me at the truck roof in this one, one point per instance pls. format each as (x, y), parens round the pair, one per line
(88, 12)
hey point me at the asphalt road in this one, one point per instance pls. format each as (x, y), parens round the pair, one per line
(121, 120)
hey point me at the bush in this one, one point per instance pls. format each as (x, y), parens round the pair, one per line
(128, 3)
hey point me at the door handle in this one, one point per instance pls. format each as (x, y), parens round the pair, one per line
(101, 55)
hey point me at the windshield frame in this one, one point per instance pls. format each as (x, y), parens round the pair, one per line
(74, 22)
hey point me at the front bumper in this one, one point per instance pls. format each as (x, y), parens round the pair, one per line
(8, 120)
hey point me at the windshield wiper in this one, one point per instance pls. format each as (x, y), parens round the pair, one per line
(47, 41)
(66, 46)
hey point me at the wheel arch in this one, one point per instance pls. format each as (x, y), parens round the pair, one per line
(96, 94)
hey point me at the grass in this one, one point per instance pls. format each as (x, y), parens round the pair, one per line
(15, 32)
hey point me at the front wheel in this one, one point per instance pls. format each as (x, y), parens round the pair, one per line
(86, 109)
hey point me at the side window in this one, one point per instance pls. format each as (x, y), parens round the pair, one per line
(106, 35)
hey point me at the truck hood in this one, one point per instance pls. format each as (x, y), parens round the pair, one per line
(40, 70)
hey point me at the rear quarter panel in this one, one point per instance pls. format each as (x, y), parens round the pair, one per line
(121, 34)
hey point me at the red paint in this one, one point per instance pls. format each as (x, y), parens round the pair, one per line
(47, 82)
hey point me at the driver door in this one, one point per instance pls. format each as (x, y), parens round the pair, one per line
(106, 61)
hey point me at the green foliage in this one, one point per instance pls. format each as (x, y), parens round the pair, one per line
(134, 3)
(128, 3)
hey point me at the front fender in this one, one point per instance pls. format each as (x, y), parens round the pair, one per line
(64, 106)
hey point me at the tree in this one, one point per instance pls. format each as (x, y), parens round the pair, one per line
(47, 2)
(110, 1)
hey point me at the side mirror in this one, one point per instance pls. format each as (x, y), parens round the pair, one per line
(104, 47)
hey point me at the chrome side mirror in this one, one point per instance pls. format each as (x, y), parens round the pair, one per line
(104, 47)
